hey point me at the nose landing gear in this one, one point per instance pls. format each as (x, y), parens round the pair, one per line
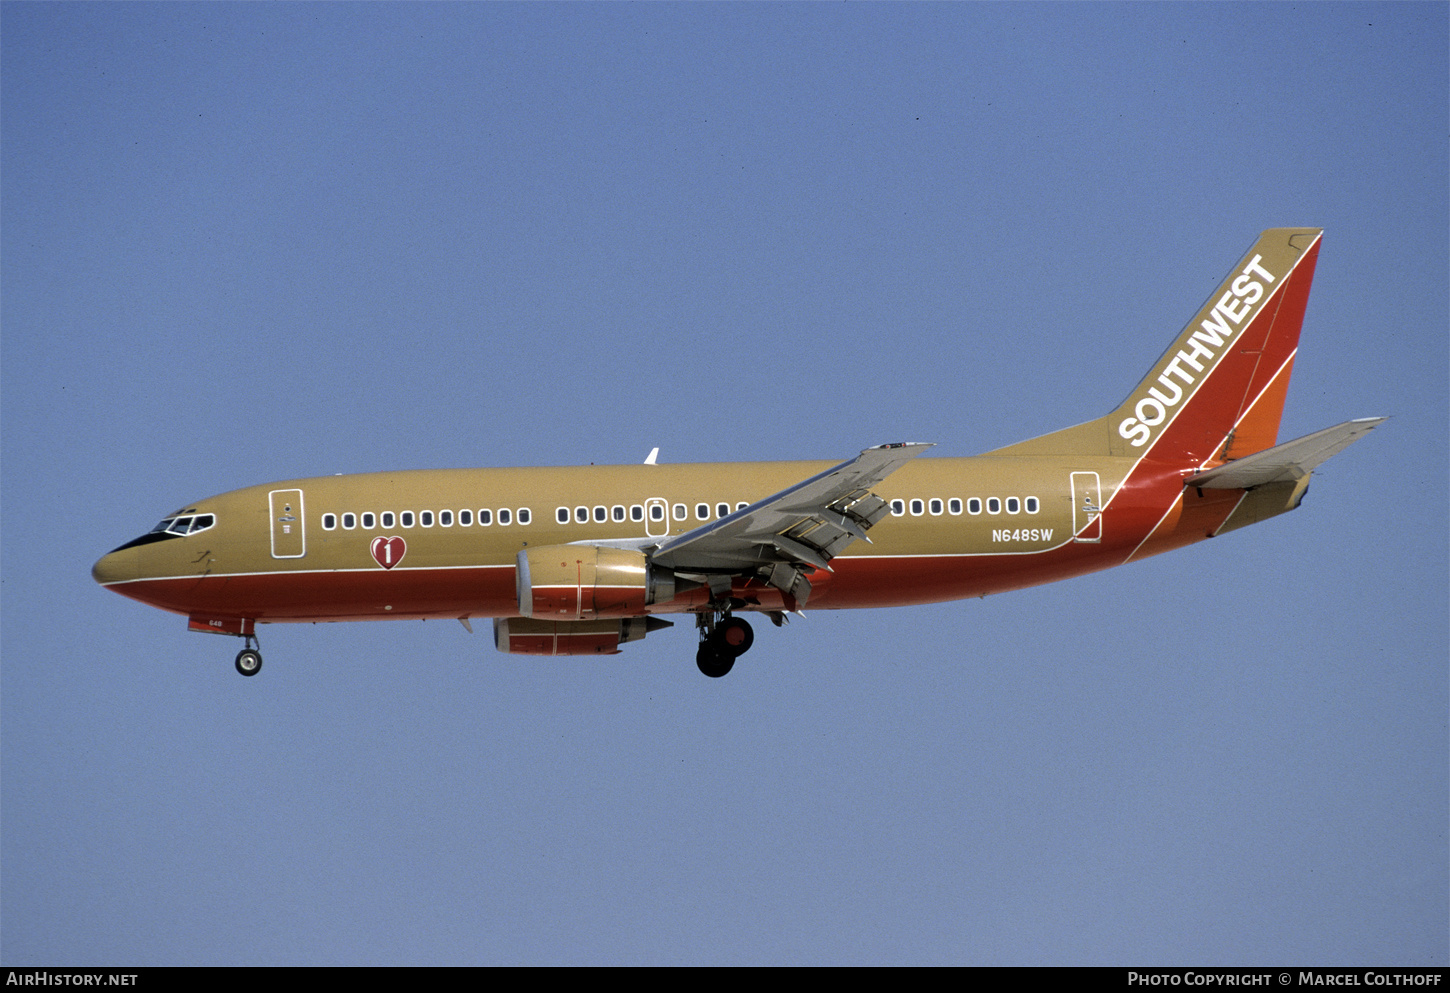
(723, 639)
(249, 660)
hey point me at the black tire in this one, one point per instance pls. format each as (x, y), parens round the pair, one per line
(713, 662)
(249, 661)
(734, 636)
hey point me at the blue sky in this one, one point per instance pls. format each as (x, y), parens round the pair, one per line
(244, 243)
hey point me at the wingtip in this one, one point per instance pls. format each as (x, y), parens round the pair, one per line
(901, 444)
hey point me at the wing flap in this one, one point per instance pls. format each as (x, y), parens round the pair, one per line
(1285, 463)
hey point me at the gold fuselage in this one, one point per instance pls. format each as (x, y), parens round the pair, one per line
(961, 527)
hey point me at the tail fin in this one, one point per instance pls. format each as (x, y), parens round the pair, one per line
(1218, 392)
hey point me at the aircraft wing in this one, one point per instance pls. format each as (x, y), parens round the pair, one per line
(804, 526)
(1285, 463)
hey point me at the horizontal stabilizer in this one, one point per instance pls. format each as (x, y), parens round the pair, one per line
(1285, 463)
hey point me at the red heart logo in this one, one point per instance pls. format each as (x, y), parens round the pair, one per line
(389, 551)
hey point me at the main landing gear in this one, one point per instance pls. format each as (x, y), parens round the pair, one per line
(723, 639)
(249, 660)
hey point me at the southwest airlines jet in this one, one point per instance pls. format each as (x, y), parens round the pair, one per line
(578, 561)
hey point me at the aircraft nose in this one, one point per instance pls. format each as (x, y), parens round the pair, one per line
(116, 567)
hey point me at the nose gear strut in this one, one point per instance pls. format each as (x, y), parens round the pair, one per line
(249, 659)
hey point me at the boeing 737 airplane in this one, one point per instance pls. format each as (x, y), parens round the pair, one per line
(578, 561)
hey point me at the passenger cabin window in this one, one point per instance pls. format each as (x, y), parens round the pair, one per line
(617, 513)
(561, 515)
(898, 508)
(1013, 505)
(406, 518)
(656, 512)
(349, 521)
(954, 506)
(974, 505)
(388, 520)
(680, 512)
(525, 516)
(1032, 505)
(368, 521)
(702, 511)
(485, 518)
(994, 506)
(425, 518)
(465, 518)
(934, 506)
(581, 515)
(445, 518)
(722, 510)
(329, 522)
(916, 508)
(601, 514)
(504, 517)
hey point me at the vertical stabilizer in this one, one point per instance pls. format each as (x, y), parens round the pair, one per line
(1218, 392)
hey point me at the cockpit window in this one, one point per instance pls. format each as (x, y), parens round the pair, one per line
(189, 524)
(173, 527)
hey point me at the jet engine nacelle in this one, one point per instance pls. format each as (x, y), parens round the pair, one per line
(583, 582)
(529, 636)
